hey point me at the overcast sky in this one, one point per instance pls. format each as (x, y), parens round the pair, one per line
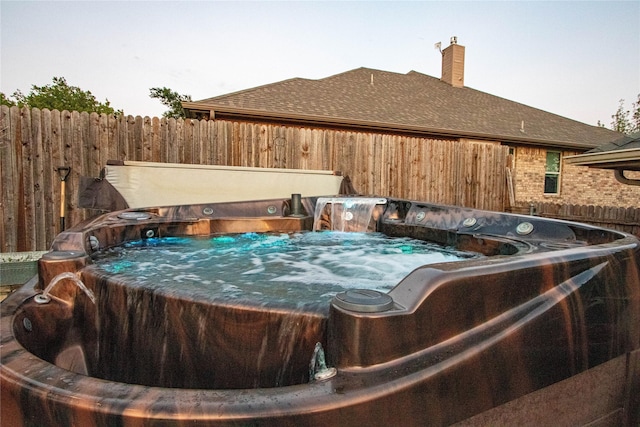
(573, 58)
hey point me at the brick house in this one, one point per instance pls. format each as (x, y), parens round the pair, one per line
(418, 105)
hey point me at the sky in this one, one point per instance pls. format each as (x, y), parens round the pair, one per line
(577, 59)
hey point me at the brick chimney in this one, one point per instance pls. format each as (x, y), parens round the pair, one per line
(453, 64)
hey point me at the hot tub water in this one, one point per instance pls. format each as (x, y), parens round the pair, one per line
(275, 269)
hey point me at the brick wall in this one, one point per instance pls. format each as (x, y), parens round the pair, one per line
(453, 65)
(578, 184)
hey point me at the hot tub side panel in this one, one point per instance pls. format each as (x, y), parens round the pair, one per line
(195, 343)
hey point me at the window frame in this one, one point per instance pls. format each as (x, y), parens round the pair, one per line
(552, 174)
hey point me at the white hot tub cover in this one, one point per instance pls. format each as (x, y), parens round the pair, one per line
(146, 184)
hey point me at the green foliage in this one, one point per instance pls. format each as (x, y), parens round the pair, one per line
(6, 101)
(171, 99)
(626, 121)
(60, 96)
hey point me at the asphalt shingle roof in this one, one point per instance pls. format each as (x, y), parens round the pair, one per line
(413, 102)
(626, 142)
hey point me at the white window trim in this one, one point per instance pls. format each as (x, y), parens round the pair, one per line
(558, 174)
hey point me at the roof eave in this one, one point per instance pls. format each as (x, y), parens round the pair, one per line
(628, 159)
(221, 111)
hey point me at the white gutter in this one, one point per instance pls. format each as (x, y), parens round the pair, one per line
(618, 160)
(604, 158)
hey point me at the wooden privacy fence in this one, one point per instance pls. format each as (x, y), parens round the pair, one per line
(34, 143)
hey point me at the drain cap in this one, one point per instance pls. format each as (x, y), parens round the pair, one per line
(363, 301)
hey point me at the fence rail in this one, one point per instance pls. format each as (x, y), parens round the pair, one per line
(34, 143)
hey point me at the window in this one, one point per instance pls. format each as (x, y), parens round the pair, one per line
(552, 173)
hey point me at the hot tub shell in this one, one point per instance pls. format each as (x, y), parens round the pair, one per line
(551, 306)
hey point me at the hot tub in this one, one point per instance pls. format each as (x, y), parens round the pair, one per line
(542, 307)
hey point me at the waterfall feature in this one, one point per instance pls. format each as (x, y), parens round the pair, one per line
(345, 214)
(46, 296)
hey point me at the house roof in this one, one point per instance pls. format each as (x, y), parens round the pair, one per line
(626, 142)
(412, 103)
(621, 154)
